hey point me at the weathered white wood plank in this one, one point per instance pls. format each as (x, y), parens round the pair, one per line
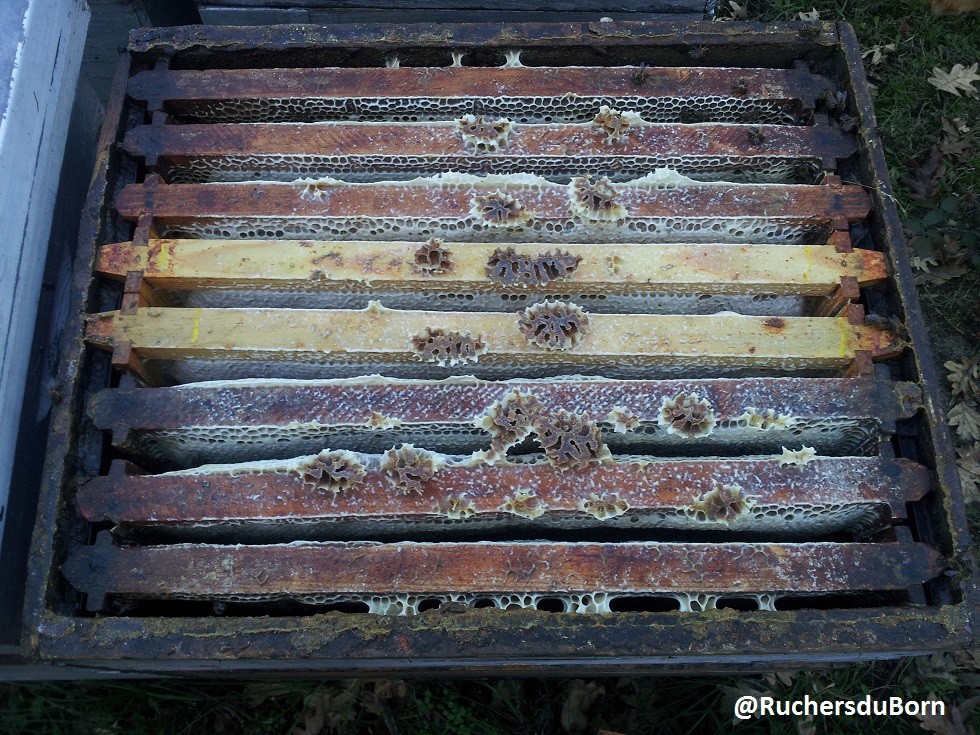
(46, 37)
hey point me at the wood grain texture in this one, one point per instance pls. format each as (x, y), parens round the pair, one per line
(311, 265)
(452, 198)
(200, 571)
(474, 493)
(180, 87)
(581, 148)
(377, 333)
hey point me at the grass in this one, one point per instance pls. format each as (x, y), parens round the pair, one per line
(625, 705)
(910, 117)
(910, 114)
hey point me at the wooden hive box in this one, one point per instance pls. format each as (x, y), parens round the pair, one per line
(496, 347)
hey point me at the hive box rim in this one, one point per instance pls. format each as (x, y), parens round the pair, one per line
(534, 644)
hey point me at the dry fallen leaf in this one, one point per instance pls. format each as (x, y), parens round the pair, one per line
(938, 268)
(581, 697)
(326, 710)
(968, 658)
(739, 12)
(955, 721)
(731, 694)
(877, 53)
(955, 139)
(937, 667)
(780, 680)
(953, 248)
(814, 14)
(923, 180)
(969, 467)
(939, 274)
(923, 265)
(965, 417)
(959, 79)
(964, 376)
(259, 693)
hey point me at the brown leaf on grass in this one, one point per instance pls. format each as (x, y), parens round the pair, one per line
(937, 667)
(923, 265)
(258, 694)
(940, 274)
(923, 180)
(964, 376)
(969, 467)
(948, 263)
(959, 79)
(780, 680)
(956, 140)
(969, 658)
(731, 694)
(965, 417)
(506, 693)
(953, 249)
(377, 703)
(739, 12)
(575, 710)
(953, 723)
(327, 709)
(877, 53)
(385, 689)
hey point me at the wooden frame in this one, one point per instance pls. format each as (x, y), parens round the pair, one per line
(624, 643)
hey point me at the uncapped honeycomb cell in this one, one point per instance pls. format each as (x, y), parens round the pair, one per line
(616, 125)
(635, 230)
(433, 257)
(687, 415)
(694, 108)
(723, 503)
(445, 347)
(518, 269)
(285, 167)
(483, 135)
(333, 471)
(511, 420)
(500, 209)
(408, 467)
(569, 439)
(595, 200)
(553, 325)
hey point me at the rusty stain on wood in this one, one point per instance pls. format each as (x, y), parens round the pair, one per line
(453, 199)
(192, 571)
(301, 94)
(202, 152)
(654, 493)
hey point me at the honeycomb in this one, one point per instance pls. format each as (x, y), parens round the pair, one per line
(497, 384)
